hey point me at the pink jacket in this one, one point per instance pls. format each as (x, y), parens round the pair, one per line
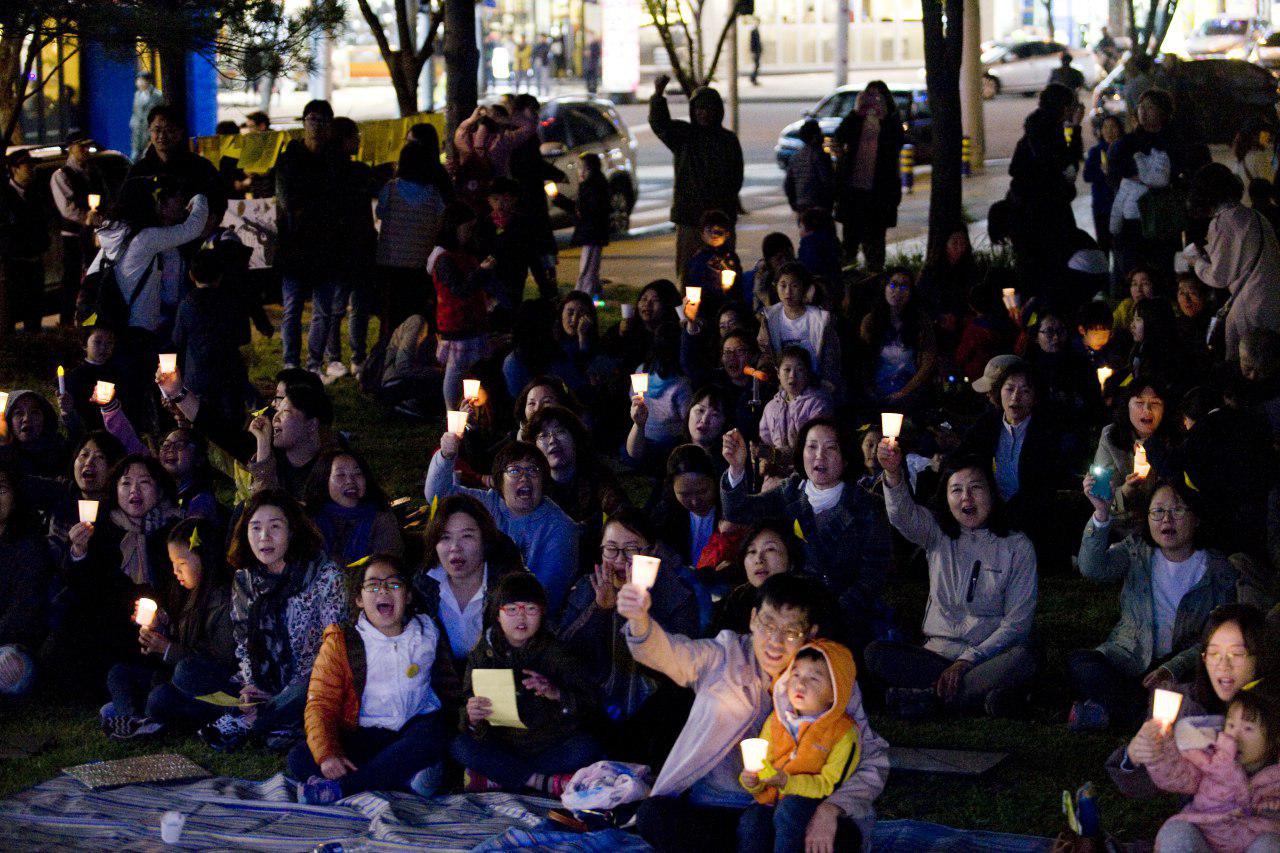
(1225, 797)
(782, 419)
(497, 147)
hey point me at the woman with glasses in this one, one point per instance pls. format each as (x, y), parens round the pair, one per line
(899, 341)
(1171, 585)
(1069, 381)
(982, 597)
(285, 592)
(769, 548)
(375, 708)
(646, 708)
(468, 555)
(1236, 655)
(546, 536)
(554, 698)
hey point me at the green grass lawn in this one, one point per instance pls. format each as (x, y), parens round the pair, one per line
(1021, 795)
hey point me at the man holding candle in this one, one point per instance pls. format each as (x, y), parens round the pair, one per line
(707, 269)
(74, 188)
(697, 800)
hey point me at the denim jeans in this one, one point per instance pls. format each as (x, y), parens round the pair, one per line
(193, 676)
(128, 683)
(385, 760)
(324, 294)
(495, 761)
(675, 824)
(776, 829)
(361, 298)
(1093, 676)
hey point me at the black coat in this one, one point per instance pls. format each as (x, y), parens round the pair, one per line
(24, 223)
(593, 212)
(886, 187)
(309, 211)
(1039, 465)
(194, 174)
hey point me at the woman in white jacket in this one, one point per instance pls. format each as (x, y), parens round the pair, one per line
(140, 236)
(982, 597)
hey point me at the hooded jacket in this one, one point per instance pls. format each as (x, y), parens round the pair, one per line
(823, 752)
(708, 160)
(44, 455)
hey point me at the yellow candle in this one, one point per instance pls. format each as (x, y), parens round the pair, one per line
(62, 380)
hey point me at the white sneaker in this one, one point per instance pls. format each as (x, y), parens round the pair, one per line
(336, 369)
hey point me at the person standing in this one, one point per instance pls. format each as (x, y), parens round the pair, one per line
(24, 237)
(70, 187)
(811, 179)
(169, 156)
(1067, 74)
(531, 171)
(868, 190)
(591, 67)
(308, 174)
(540, 60)
(757, 51)
(708, 164)
(145, 99)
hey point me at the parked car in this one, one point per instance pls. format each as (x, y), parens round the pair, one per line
(1025, 66)
(50, 158)
(575, 125)
(1226, 37)
(913, 106)
(1216, 97)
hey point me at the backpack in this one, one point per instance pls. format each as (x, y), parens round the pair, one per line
(101, 300)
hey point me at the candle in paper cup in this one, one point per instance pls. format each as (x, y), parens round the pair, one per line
(891, 424)
(551, 189)
(1165, 707)
(1104, 373)
(62, 380)
(104, 392)
(168, 362)
(88, 511)
(1141, 466)
(639, 383)
(754, 752)
(94, 201)
(471, 388)
(693, 294)
(4, 401)
(644, 571)
(457, 423)
(727, 277)
(628, 310)
(1010, 297)
(146, 612)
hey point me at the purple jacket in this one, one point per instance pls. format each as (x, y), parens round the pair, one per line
(782, 418)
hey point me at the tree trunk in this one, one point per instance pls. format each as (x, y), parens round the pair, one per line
(461, 62)
(173, 79)
(404, 78)
(942, 56)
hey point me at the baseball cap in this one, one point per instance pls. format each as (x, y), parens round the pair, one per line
(992, 371)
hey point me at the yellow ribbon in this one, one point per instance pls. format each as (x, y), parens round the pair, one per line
(195, 538)
(799, 532)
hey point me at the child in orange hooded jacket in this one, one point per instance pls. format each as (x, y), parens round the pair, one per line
(813, 747)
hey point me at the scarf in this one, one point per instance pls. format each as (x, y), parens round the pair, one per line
(134, 561)
(270, 653)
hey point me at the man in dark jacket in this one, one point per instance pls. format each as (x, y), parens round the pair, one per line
(169, 156)
(531, 171)
(24, 237)
(868, 189)
(708, 164)
(309, 175)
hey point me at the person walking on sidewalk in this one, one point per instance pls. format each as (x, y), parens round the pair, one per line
(868, 190)
(708, 164)
(757, 51)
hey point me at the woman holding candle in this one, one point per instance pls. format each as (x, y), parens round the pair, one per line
(631, 341)
(285, 592)
(846, 537)
(119, 558)
(1171, 585)
(657, 414)
(546, 536)
(1236, 653)
(1143, 418)
(350, 509)
(646, 708)
(188, 648)
(982, 596)
(899, 339)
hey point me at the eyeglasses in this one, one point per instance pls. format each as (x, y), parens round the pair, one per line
(553, 434)
(521, 609)
(1233, 658)
(175, 445)
(528, 472)
(612, 552)
(1176, 514)
(787, 636)
(388, 585)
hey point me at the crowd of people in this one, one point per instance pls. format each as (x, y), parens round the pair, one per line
(171, 534)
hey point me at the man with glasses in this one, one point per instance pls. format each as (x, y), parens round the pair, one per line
(697, 800)
(546, 536)
(170, 156)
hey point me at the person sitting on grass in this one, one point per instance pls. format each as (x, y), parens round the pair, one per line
(34, 443)
(189, 649)
(982, 597)
(374, 716)
(769, 548)
(813, 748)
(546, 536)
(800, 399)
(350, 509)
(27, 561)
(1234, 781)
(554, 697)
(697, 801)
(286, 591)
(1171, 585)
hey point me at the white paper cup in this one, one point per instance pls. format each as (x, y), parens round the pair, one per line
(693, 294)
(1104, 373)
(94, 201)
(754, 751)
(104, 392)
(146, 612)
(628, 310)
(727, 278)
(551, 189)
(457, 423)
(1165, 707)
(168, 362)
(644, 571)
(88, 511)
(4, 401)
(891, 424)
(471, 388)
(171, 824)
(639, 383)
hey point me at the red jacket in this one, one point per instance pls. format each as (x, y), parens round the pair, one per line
(460, 303)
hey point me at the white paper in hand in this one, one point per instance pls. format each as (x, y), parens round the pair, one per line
(499, 687)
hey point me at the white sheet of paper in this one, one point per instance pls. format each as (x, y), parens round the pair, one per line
(499, 687)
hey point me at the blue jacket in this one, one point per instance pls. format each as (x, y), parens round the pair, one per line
(1096, 177)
